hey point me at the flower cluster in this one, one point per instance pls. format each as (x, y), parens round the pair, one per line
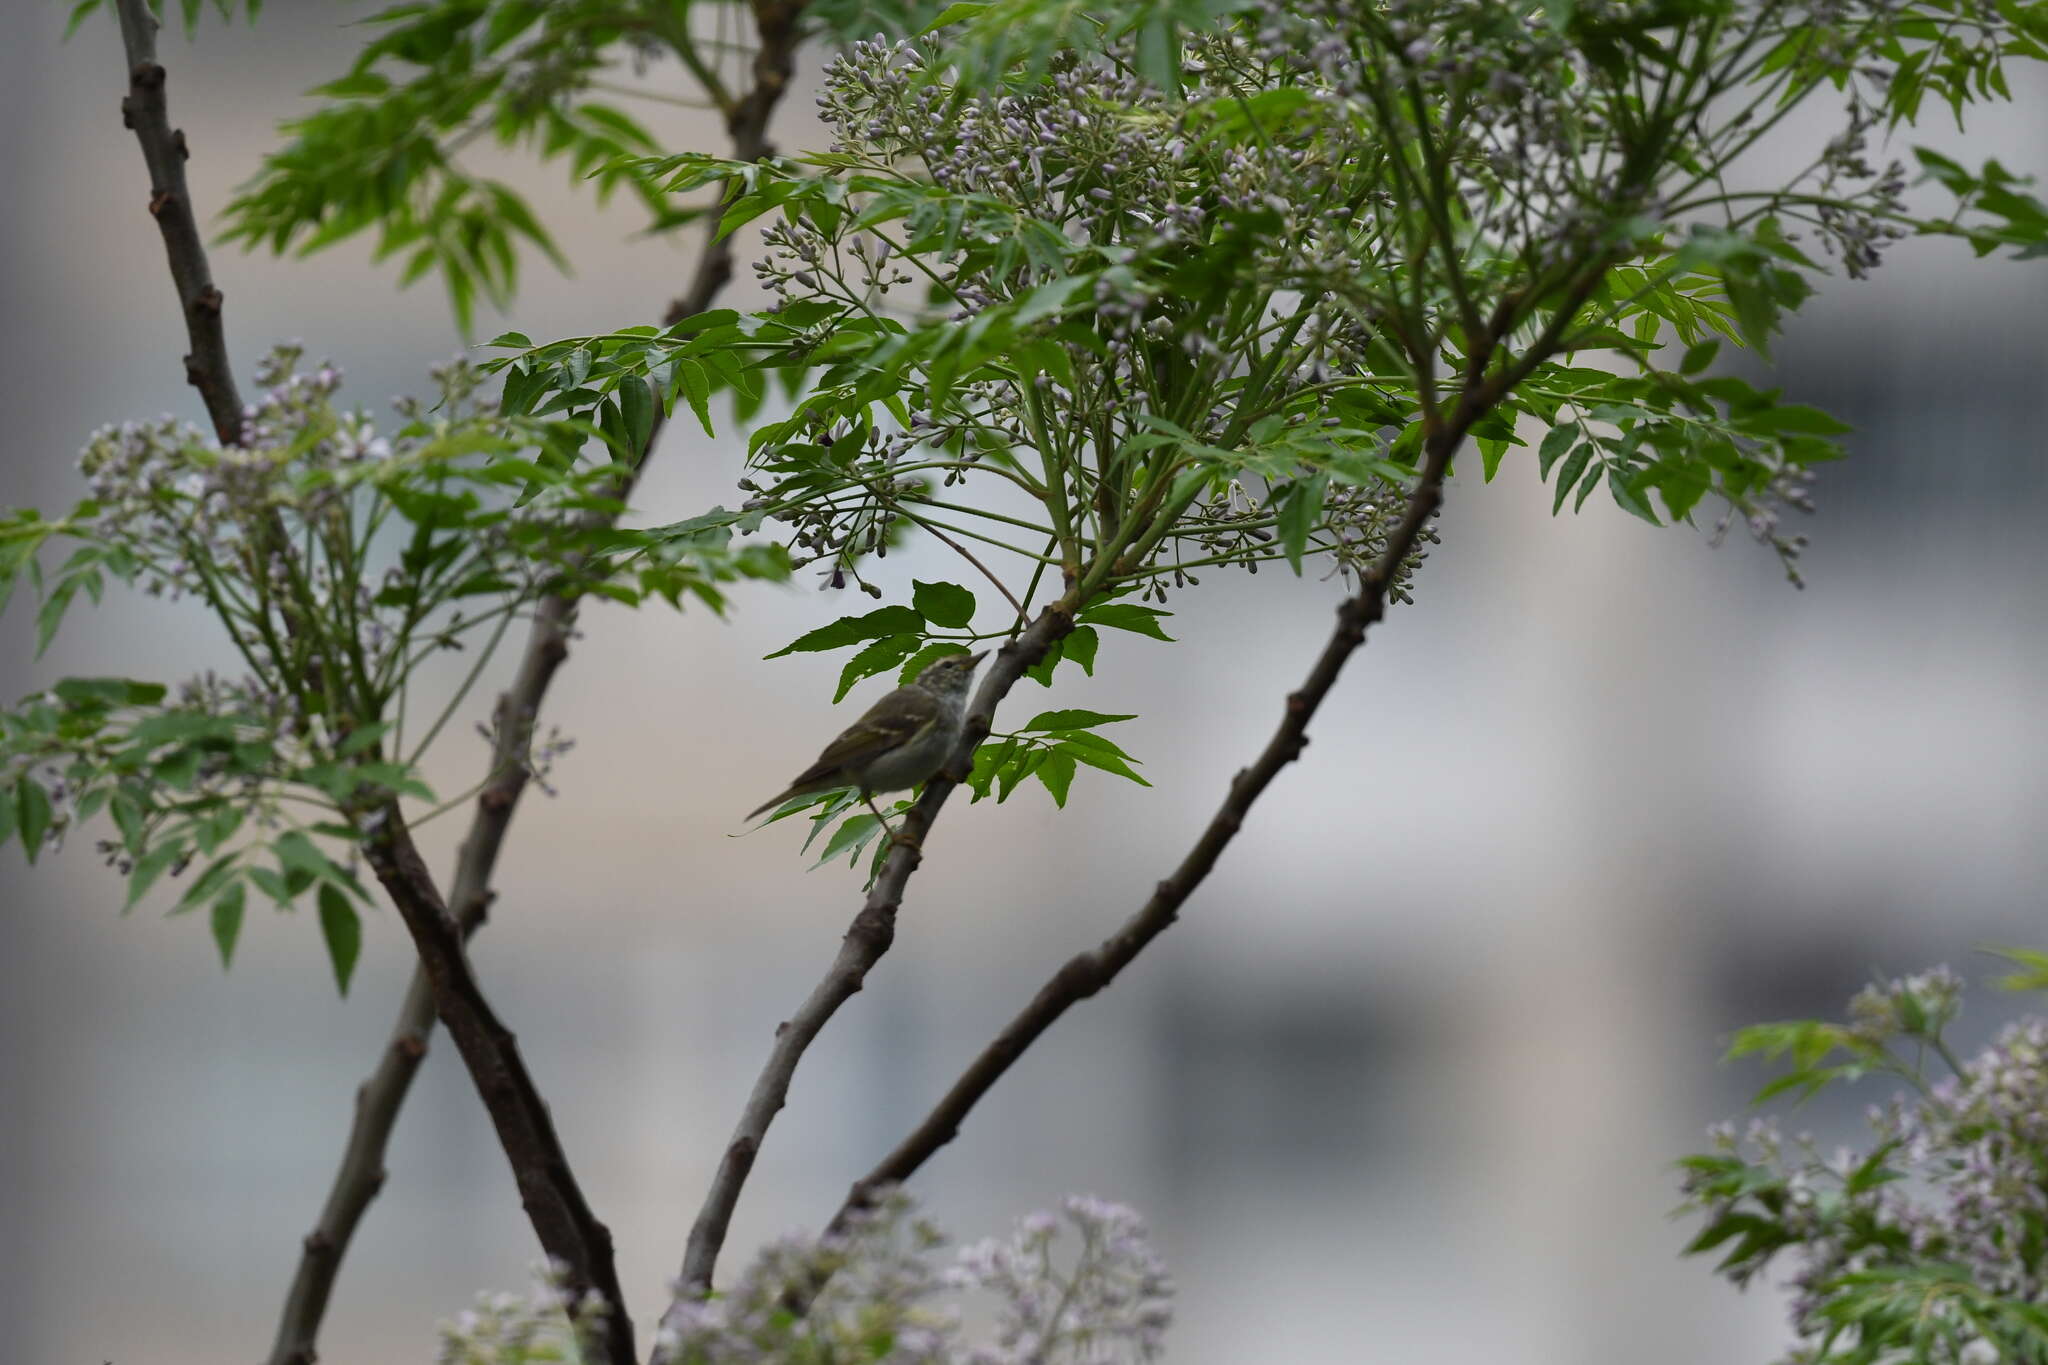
(1932, 1243)
(522, 1329)
(884, 1291)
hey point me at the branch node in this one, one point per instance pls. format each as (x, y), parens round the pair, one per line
(159, 200)
(318, 1243)
(128, 112)
(209, 301)
(1297, 704)
(179, 146)
(411, 1046)
(146, 76)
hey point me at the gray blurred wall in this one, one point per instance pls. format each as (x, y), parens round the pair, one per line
(1406, 1082)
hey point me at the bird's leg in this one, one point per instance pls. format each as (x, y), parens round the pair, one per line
(894, 837)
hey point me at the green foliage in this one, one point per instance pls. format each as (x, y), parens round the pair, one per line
(1051, 748)
(383, 152)
(336, 562)
(1928, 1246)
(188, 11)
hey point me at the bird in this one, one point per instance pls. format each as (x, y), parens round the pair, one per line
(903, 739)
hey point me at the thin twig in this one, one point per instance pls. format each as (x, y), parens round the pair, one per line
(164, 151)
(866, 940)
(968, 555)
(569, 1232)
(362, 1172)
(1088, 972)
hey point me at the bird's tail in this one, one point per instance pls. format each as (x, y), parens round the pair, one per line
(772, 803)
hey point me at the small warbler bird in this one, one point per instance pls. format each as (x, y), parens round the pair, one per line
(902, 740)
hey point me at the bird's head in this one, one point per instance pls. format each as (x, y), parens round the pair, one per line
(950, 676)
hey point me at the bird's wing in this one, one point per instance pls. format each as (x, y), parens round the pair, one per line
(892, 721)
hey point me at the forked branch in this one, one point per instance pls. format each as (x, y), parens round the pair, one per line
(378, 1101)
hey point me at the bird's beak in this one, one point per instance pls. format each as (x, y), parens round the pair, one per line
(975, 659)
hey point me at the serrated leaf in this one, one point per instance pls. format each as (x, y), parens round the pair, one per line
(1072, 719)
(1555, 443)
(1081, 643)
(1094, 755)
(879, 657)
(227, 920)
(1041, 672)
(852, 630)
(696, 387)
(1128, 616)
(1056, 771)
(943, 604)
(1574, 465)
(850, 838)
(342, 928)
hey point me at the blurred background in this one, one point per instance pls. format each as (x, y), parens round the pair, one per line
(1405, 1083)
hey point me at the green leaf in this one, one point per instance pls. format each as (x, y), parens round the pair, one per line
(112, 691)
(1555, 443)
(1074, 719)
(1098, 752)
(1797, 418)
(696, 386)
(2033, 969)
(1127, 616)
(879, 657)
(852, 630)
(638, 408)
(148, 868)
(342, 927)
(1081, 643)
(943, 604)
(227, 920)
(271, 884)
(1699, 355)
(1569, 475)
(1299, 511)
(1057, 773)
(33, 814)
(1041, 672)
(917, 662)
(850, 838)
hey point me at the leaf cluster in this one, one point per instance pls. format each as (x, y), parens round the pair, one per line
(383, 151)
(1930, 1245)
(337, 562)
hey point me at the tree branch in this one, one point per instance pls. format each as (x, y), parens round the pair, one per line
(362, 1173)
(164, 151)
(866, 940)
(569, 1232)
(1087, 973)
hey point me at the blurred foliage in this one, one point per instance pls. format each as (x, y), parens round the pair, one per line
(338, 562)
(1928, 1246)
